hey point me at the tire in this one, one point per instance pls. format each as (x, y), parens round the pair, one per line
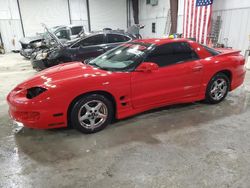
(217, 88)
(91, 113)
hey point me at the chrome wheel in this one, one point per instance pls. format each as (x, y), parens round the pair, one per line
(218, 89)
(92, 114)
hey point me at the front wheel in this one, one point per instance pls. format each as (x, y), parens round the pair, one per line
(217, 88)
(92, 113)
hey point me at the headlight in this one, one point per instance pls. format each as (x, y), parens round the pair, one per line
(37, 44)
(34, 92)
(41, 56)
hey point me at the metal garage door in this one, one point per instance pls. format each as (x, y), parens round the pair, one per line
(107, 13)
(50, 12)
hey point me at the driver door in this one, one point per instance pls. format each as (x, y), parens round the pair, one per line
(170, 83)
(160, 86)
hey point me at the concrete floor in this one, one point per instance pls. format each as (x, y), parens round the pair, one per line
(193, 145)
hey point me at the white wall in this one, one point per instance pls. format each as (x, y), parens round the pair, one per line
(230, 4)
(103, 13)
(35, 12)
(8, 9)
(235, 16)
(180, 16)
(108, 13)
(149, 14)
(235, 27)
(78, 11)
(10, 25)
(50, 12)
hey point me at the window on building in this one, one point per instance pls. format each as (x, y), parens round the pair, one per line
(153, 27)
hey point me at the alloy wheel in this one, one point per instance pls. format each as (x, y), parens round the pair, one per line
(92, 114)
(218, 89)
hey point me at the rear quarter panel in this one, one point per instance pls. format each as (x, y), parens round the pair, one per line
(233, 63)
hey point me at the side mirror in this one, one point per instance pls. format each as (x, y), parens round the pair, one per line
(147, 67)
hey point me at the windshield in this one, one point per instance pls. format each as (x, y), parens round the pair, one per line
(122, 58)
(49, 35)
(46, 34)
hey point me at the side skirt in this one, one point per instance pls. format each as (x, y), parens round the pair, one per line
(133, 111)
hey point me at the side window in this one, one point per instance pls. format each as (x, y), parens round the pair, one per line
(114, 38)
(172, 53)
(93, 40)
(62, 34)
(76, 30)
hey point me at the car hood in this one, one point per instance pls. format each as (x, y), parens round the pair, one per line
(27, 40)
(60, 74)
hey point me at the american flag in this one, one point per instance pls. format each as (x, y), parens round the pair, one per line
(197, 19)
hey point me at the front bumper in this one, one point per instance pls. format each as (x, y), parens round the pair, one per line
(39, 64)
(35, 114)
(26, 52)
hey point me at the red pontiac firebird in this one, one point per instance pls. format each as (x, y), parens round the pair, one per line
(132, 78)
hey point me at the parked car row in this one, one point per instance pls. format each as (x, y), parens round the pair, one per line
(63, 44)
(89, 46)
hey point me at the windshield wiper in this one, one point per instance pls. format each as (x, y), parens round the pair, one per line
(106, 69)
(92, 64)
(86, 62)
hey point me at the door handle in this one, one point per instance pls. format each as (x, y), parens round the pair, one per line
(197, 68)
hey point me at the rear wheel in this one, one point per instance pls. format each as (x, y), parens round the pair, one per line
(92, 113)
(217, 88)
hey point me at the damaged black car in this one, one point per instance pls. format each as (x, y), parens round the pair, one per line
(35, 43)
(87, 47)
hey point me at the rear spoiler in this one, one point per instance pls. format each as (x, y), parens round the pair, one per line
(231, 52)
(227, 51)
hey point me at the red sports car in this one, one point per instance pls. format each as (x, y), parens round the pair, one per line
(132, 78)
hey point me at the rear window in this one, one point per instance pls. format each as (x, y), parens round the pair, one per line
(212, 51)
(93, 40)
(76, 30)
(114, 38)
